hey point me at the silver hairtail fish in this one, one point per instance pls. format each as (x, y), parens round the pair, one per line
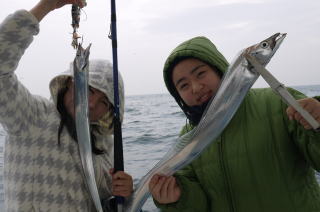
(235, 84)
(81, 78)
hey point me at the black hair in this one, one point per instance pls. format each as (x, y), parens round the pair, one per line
(68, 122)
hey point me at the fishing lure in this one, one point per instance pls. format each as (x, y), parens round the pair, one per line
(75, 14)
(236, 83)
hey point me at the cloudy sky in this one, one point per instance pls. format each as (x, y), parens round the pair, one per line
(149, 29)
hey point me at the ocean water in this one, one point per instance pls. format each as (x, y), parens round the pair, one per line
(151, 125)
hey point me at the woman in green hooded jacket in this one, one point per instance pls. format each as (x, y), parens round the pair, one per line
(265, 158)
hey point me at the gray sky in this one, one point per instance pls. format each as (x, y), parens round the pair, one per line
(148, 30)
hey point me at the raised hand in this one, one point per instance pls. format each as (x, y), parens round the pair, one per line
(309, 104)
(45, 6)
(61, 3)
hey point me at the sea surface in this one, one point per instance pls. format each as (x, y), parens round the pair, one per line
(151, 125)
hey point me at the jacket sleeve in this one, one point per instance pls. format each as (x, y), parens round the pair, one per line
(308, 141)
(18, 108)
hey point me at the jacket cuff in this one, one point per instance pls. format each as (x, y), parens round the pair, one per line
(317, 98)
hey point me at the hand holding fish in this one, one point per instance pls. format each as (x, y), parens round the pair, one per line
(122, 183)
(164, 189)
(309, 104)
(46, 6)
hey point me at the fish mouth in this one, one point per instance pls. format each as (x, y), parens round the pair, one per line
(278, 38)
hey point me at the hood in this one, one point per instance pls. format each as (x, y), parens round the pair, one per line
(200, 48)
(100, 77)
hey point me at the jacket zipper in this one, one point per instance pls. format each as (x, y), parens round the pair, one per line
(225, 175)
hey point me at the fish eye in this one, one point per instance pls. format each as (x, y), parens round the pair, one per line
(264, 44)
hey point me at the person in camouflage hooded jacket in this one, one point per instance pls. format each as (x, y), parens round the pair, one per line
(262, 161)
(43, 170)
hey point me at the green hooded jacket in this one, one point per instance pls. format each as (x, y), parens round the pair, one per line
(262, 161)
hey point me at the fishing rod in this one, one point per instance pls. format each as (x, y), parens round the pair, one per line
(118, 148)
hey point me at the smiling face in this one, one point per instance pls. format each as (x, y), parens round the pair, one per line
(98, 102)
(195, 81)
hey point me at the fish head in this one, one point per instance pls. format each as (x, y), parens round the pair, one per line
(82, 58)
(264, 50)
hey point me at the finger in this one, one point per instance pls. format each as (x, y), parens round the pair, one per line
(154, 180)
(172, 183)
(121, 175)
(304, 102)
(177, 190)
(171, 188)
(290, 112)
(111, 171)
(77, 2)
(308, 101)
(81, 3)
(121, 188)
(308, 104)
(121, 183)
(164, 189)
(304, 123)
(157, 189)
(297, 116)
(307, 127)
(313, 110)
(124, 190)
(315, 114)
(309, 107)
(116, 175)
(59, 4)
